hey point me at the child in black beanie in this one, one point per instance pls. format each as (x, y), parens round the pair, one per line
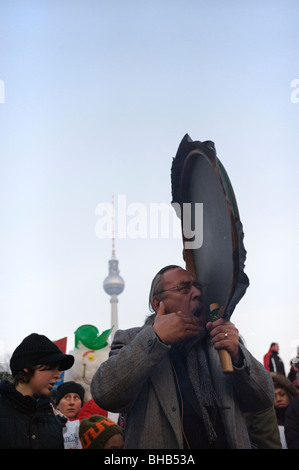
(27, 420)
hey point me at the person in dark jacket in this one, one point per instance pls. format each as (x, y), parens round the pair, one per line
(267, 356)
(275, 363)
(27, 419)
(285, 393)
(291, 424)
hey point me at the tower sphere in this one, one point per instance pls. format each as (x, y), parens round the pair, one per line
(114, 283)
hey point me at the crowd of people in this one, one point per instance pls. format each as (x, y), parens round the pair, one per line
(164, 380)
(286, 396)
(33, 415)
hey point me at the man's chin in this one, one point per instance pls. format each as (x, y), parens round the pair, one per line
(185, 345)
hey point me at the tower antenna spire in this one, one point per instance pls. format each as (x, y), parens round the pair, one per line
(113, 229)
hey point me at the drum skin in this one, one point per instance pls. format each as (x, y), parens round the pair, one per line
(198, 177)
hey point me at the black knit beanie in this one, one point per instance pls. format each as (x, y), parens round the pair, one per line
(37, 349)
(69, 387)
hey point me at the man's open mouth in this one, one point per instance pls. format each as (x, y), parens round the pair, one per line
(197, 312)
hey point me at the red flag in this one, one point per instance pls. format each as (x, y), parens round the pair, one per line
(61, 343)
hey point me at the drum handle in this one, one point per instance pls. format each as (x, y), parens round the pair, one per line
(224, 356)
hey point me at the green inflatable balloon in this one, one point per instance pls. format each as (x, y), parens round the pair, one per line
(89, 336)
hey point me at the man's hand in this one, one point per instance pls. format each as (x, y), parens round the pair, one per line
(225, 336)
(176, 326)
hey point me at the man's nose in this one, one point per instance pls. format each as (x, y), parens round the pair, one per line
(56, 374)
(196, 291)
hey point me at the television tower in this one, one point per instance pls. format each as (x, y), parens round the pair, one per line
(113, 284)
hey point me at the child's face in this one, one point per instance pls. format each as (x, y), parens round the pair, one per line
(281, 398)
(43, 380)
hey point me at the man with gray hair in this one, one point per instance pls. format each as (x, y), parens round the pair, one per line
(167, 379)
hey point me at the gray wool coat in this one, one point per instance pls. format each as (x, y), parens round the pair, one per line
(137, 379)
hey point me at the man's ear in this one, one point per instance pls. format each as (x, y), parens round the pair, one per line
(156, 303)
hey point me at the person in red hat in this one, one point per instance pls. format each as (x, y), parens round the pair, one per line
(27, 419)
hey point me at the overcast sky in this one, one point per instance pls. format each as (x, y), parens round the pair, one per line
(95, 97)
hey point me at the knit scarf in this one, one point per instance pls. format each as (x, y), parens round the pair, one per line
(200, 378)
(192, 349)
